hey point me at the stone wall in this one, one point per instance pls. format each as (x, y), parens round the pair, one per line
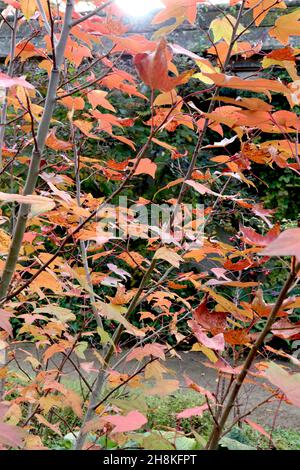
(192, 37)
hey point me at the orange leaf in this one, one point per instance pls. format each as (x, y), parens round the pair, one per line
(262, 8)
(55, 144)
(98, 98)
(85, 127)
(259, 85)
(146, 166)
(153, 69)
(178, 9)
(76, 104)
(286, 26)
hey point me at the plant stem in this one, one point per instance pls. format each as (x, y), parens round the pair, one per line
(218, 430)
(36, 156)
(107, 357)
(10, 73)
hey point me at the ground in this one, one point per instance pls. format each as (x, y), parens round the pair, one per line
(191, 365)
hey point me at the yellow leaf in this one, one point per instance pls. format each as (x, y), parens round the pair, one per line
(168, 97)
(45, 280)
(4, 242)
(164, 387)
(50, 401)
(39, 204)
(287, 64)
(61, 313)
(226, 305)
(209, 353)
(13, 415)
(168, 255)
(222, 28)
(205, 68)
(156, 370)
(104, 336)
(116, 313)
(28, 8)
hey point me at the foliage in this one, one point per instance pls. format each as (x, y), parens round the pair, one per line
(101, 128)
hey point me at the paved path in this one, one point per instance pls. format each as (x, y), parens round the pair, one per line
(191, 364)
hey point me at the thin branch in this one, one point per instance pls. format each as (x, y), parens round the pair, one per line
(10, 73)
(92, 13)
(216, 433)
(33, 171)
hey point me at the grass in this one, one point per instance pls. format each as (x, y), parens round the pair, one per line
(283, 439)
(161, 414)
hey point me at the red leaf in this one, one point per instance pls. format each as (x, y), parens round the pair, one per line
(5, 321)
(132, 421)
(222, 366)
(216, 342)
(287, 244)
(214, 322)
(253, 238)
(195, 411)
(153, 69)
(8, 82)
(283, 328)
(257, 427)
(10, 435)
(238, 266)
(154, 349)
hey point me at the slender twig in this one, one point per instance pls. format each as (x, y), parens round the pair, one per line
(10, 73)
(216, 433)
(33, 171)
(92, 13)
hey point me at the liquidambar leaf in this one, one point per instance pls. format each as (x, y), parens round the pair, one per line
(7, 82)
(168, 255)
(287, 244)
(288, 383)
(195, 411)
(153, 69)
(116, 313)
(132, 421)
(39, 204)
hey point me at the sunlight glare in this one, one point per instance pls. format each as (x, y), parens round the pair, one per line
(139, 7)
